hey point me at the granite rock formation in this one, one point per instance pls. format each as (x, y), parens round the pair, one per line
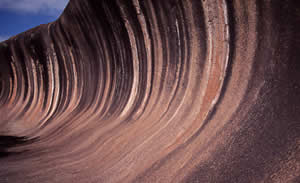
(154, 91)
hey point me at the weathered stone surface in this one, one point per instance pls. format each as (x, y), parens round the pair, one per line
(154, 91)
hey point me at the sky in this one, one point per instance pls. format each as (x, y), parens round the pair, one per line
(17, 16)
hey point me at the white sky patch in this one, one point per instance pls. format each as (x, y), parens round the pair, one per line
(3, 38)
(49, 7)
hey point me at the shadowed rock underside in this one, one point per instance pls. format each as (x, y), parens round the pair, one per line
(154, 91)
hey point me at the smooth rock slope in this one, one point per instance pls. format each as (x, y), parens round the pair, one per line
(154, 91)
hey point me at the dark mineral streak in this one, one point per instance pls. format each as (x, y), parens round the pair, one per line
(154, 91)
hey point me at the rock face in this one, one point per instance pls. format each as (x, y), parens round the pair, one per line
(154, 91)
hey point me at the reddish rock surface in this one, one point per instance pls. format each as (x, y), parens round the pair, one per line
(154, 91)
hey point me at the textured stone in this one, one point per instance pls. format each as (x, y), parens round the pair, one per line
(154, 91)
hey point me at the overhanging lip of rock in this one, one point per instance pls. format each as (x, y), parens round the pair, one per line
(153, 91)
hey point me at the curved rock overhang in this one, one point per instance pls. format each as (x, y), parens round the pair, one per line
(154, 91)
